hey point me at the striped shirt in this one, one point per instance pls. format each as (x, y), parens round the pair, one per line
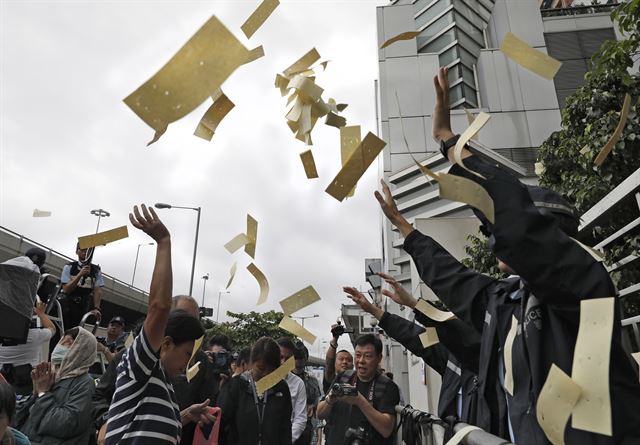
(144, 408)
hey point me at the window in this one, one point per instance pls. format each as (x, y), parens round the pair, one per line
(431, 13)
(442, 41)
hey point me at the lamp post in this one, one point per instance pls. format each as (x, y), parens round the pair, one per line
(135, 265)
(303, 318)
(161, 205)
(100, 213)
(218, 308)
(205, 278)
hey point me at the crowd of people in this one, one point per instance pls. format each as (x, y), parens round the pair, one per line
(148, 393)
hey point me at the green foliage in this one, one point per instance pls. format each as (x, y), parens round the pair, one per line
(588, 120)
(480, 257)
(249, 327)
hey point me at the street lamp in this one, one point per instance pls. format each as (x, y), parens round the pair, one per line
(161, 205)
(205, 278)
(305, 317)
(135, 265)
(100, 213)
(218, 308)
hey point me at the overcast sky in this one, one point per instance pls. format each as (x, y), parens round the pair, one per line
(69, 144)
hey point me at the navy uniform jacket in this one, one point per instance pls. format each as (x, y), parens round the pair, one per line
(555, 275)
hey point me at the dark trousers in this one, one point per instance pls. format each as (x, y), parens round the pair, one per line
(307, 434)
(73, 309)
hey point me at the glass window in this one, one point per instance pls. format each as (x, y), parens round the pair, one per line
(455, 93)
(435, 27)
(470, 29)
(439, 43)
(467, 58)
(467, 75)
(477, 7)
(431, 13)
(468, 13)
(469, 44)
(448, 56)
(421, 4)
(488, 4)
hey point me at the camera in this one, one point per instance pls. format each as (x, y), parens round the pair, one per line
(356, 436)
(343, 389)
(339, 330)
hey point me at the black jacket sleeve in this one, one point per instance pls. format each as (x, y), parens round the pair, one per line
(407, 334)
(463, 290)
(556, 268)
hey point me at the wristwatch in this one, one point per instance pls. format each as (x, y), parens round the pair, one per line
(446, 145)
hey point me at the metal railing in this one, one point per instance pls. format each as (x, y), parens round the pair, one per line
(432, 429)
(578, 10)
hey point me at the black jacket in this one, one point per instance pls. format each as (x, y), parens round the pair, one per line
(452, 333)
(556, 274)
(240, 424)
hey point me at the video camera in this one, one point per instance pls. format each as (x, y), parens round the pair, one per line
(338, 330)
(343, 389)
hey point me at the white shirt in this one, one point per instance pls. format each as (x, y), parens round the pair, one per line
(28, 353)
(298, 405)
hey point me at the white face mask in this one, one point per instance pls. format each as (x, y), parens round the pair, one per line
(59, 353)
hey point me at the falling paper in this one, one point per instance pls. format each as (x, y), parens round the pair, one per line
(591, 363)
(262, 281)
(429, 337)
(252, 233)
(40, 213)
(539, 168)
(349, 141)
(193, 371)
(433, 313)
(615, 137)
(290, 325)
(237, 242)
(196, 347)
(402, 36)
(303, 63)
(271, 380)
(507, 355)
(557, 398)
(529, 58)
(299, 300)
(333, 120)
(192, 75)
(309, 164)
(213, 116)
(129, 341)
(352, 171)
(102, 238)
(258, 17)
(232, 274)
(479, 122)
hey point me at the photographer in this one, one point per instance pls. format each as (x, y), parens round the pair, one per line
(360, 407)
(16, 362)
(242, 361)
(82, 284)
(335, 361)
(114, 341)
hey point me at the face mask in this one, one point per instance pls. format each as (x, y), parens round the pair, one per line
(59, 353)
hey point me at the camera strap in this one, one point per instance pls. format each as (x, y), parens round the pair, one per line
(261, 404)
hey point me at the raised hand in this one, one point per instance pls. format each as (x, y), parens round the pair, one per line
(149, 223)
(397, 292)
(441, 118)
(390, 210)
(362, 301)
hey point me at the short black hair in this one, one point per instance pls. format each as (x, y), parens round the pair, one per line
(7, 400)
(37, 255)
(183, 327)
(286, 342)
(369, 339)
(220, 340)
(73, 332)
(244, 356)
(301, 352)
(344, 350)
(266, 350)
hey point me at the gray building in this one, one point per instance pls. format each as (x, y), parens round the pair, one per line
(465, 35)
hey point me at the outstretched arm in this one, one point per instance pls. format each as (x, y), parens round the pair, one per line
(162, 279)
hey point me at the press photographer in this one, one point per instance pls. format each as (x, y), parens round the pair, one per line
(360, 406)
(336, 361)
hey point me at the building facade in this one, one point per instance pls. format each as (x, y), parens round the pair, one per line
(525, 109)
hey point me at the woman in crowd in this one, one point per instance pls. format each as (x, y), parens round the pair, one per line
(59, 411)
(144, 408)
(249, 418)
(9, 436)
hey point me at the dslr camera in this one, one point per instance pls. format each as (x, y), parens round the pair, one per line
(356, 436)
(340, 329)
(343, 389)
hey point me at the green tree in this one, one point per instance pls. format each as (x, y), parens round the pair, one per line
(249, 327)
(589, 118)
